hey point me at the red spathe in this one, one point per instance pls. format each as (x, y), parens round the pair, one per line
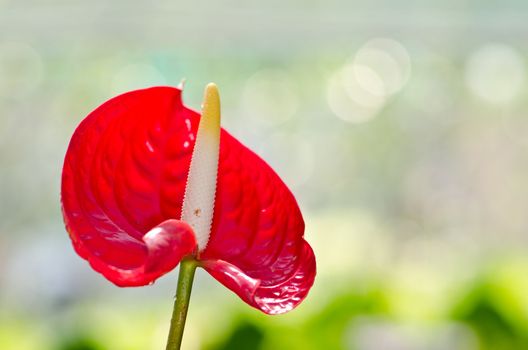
(123, 182)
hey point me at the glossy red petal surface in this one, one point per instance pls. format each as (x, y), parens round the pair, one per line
(124, 174)
(272, 299)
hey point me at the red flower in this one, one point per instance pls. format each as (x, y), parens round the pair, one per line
(123, 187)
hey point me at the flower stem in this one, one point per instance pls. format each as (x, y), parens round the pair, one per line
(181, 303)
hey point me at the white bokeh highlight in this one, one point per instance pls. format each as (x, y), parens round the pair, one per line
(358, 90)
(495, 73)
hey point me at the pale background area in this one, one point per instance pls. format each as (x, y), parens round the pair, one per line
(401, 127)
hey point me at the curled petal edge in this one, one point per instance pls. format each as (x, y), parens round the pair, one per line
(270, 299)
(166, 245)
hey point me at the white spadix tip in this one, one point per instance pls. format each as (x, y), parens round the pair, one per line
(199, 198)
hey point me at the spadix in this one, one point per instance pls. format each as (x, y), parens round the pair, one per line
(198, 202)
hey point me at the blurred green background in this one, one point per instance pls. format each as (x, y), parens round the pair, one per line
(400, 126)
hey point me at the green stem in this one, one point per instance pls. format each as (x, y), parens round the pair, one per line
(181, 304)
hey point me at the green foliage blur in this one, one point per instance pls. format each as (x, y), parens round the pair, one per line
(486, 313)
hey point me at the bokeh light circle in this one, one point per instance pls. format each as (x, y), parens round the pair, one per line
(495, 73)
(348, 100)
(358, 90)
(389, 59)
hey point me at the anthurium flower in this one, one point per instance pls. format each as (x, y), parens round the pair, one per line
(135, 205)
